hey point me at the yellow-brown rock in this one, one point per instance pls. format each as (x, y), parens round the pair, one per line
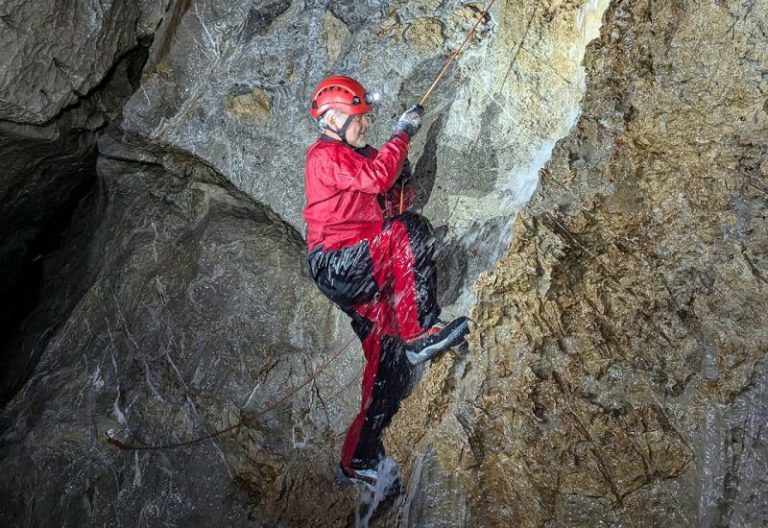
(337, 32)
(253, 106)
(425, 35)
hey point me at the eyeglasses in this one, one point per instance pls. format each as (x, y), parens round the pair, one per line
(367, 118)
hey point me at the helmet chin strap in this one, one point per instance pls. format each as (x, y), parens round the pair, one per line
(342, 132)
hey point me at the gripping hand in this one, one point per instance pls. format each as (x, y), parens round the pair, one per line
(410, 121)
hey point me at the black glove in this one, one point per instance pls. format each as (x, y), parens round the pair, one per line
(410, 121)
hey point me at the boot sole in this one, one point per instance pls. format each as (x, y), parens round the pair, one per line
(454, 337)
(347, 480)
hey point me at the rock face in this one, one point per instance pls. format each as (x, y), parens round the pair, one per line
(194, 314)
(46, 172)
(230, 78)
(66, 69)
(102, 343)
(48, 169)
(616, 374)
(619, 348)
(57, 51)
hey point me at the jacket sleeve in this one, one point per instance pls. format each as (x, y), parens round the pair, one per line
(350, 171)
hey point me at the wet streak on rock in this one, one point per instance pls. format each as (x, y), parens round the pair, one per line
(261, 17)
(170, 27)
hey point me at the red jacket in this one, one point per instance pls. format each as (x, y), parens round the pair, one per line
(342, 188)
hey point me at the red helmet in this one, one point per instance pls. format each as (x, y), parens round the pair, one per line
(341, 93)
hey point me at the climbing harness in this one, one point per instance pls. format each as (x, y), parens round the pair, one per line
(221, 432)
(444, 70)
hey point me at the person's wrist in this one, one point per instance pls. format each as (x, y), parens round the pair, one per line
(402, 134)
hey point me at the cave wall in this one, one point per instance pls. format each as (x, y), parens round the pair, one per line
(195, 313)
(618, 349)
(128, 330)
(230, 82)
(616, 370)
(57, 52)
(49, 169)
(67, 68)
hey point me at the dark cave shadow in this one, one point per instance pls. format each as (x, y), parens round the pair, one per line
(425, 172)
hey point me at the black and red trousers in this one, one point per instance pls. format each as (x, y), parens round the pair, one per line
(387, 285)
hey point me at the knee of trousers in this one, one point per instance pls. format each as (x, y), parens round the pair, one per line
(419, 229)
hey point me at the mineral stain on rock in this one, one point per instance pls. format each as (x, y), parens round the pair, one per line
(624, 319)
(254, 106)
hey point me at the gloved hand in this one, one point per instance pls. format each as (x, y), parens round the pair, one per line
(410, 121)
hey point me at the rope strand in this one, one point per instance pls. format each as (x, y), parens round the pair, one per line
(455, 54)
(442, 73)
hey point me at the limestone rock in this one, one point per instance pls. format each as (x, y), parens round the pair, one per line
(254, 106)
(617, 341)
(337, 34)
(195, 312)
(48, 169)
(616, 373)
(424, 35)
(55, 51)
(479, 135)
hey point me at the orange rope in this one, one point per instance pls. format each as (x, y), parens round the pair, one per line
(290, 394)
(440, 75)
(455, 55)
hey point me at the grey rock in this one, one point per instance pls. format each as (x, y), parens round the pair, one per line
(57, 51)
(616, 374)
(230, 84)
(193, 311)
(617, 361)
(47, 170)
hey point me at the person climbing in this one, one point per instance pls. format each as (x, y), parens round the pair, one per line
(371, 259)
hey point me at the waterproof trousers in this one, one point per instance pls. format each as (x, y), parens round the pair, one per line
(387, 285)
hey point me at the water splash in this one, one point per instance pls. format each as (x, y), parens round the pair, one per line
(524, 182)
(370, 499)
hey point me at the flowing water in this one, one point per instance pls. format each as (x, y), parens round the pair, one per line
(373, 501)
(485, 236)
(514, 187)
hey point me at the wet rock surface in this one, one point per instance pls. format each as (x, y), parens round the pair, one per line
(57, 51)
(48, 169)
(620, 341)
(616, 374)
(230, 76)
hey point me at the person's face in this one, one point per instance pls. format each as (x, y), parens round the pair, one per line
(357, 130)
